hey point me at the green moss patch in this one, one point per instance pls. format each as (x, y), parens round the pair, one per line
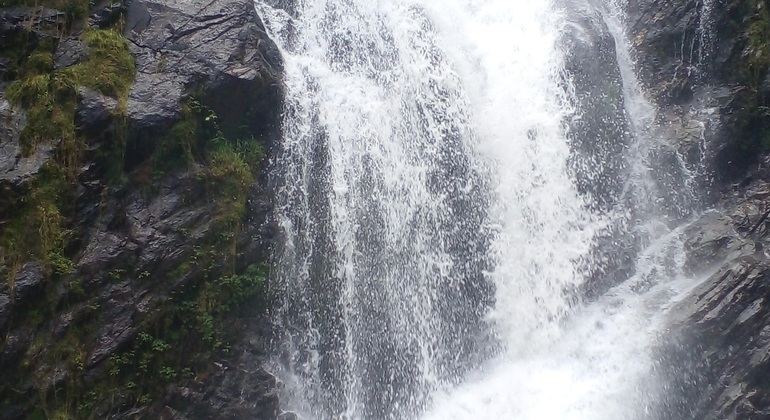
(50, 97)
(35, 230)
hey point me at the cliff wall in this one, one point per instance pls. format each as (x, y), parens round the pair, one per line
(135, 224)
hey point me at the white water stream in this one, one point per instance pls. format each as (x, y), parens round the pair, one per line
(433, 233)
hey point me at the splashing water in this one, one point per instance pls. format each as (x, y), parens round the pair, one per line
(433, 234)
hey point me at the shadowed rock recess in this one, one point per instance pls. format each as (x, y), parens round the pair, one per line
(706, 63)
(135, 224)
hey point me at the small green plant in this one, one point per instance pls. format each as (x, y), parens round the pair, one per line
(167, 373)
(160, 346)
(60, 264)
(116, 275)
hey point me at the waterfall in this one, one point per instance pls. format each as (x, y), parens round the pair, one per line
(435, 237)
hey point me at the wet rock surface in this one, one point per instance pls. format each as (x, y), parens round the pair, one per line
(722, 346)
(16, 169)
(599, 137)
(706, 65)
(701, 55)
(714, 358)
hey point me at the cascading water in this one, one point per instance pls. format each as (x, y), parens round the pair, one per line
(435, 239)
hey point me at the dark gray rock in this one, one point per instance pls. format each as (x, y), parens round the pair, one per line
(244, 377)
(11, 123)
(5, 308)
(219, 49)
(69, 51)
(288, 416)
(688, 53)
(28, 281)
(94, 112)
(599, 136)
(712, 240)
(717, 360)
(665, 33)
(599, 129)
(62, 324)
(105, 13)
(15, 19)
(102, 254)
(16, 169)
(132, 241)
(715, 357)
(738, 229)
(117, 328)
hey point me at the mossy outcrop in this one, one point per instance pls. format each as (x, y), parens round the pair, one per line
(135, 226)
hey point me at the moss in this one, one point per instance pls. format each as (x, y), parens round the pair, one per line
(50, 98)
(109, 67)
(757, 51)
(36, 228)
(231, 177)
(229, 292)
(177, 149)
(198, 139)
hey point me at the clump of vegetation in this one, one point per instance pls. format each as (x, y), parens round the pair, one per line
(50, 100)
(228, 163)
(180, 342)
(35, 229)
(757, 50)
(50, 97)
(109, 67)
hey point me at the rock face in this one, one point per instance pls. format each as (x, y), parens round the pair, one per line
(218, 47)
(16, 169)
(715, 358)
(710, 55)
(706, 64)
(599, 128)
(148, 301)
(599, 138)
